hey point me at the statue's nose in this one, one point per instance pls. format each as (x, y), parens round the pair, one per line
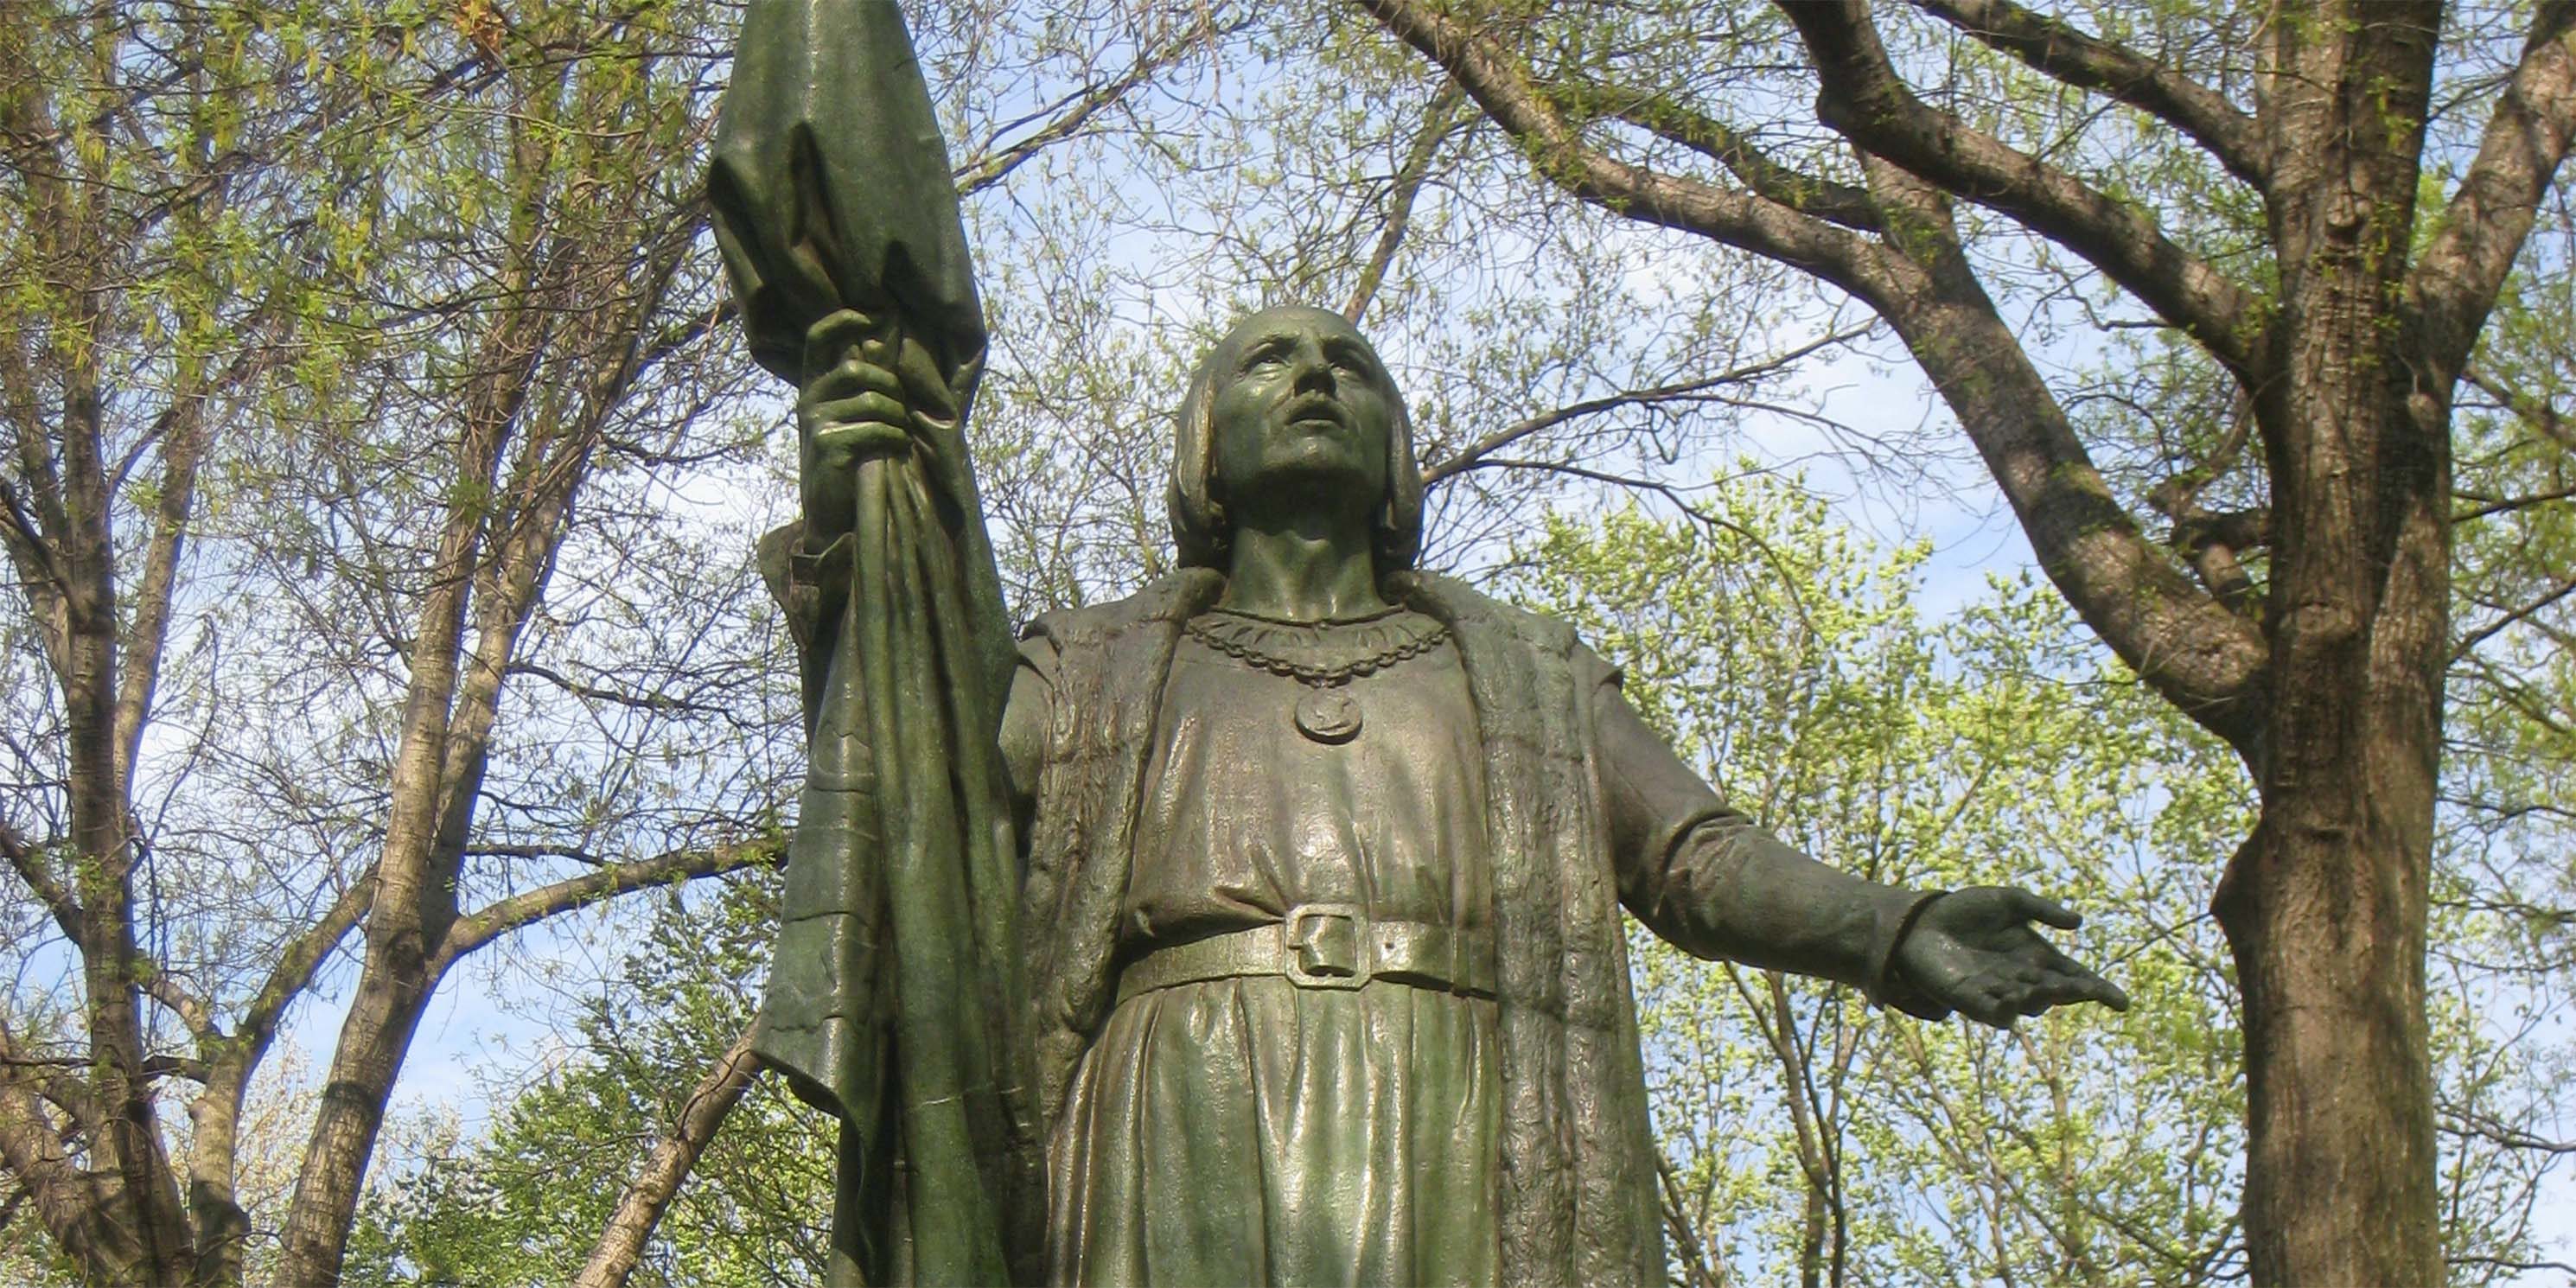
(1314, 372)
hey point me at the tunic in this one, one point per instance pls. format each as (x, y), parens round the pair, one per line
(1248, 1130)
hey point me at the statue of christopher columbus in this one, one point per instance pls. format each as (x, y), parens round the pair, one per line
(1264, 925)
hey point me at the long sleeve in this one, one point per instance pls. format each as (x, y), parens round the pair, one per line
(1024, 729)
(1706, 878)
(811, 587)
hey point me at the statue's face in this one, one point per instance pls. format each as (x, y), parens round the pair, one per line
(1301, 410)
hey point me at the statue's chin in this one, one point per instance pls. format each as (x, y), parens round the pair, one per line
(1317, 468)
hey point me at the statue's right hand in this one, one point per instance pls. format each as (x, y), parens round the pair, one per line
(869, 391)
(850, 408)
(852, 405)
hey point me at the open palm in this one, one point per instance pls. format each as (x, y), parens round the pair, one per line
(1974, 950)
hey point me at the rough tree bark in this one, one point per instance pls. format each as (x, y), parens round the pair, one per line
(2325, 904)
(2329, 686)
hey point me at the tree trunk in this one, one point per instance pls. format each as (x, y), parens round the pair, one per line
(213, 1200)
(373, 1040)
(2326, 918)
(129, 1144)
(2324, 905)
(414, 902)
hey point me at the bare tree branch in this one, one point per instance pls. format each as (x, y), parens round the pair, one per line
(302, 957)
(1475, 453)
(621, 1245)
(1698, 1269)
(2535, 412)
(2203, 658)
(178, 1066)
(190, 1008)
(480, 928)
(57, 1079)
(184, 434)
(78, 1208)
(38, 562)
(578, 854)
(1504, 89)
(2470, 1122)
(600, 693)
(2061, 51)
(2469, 642)
(1863, 98)
(56, 897)
(2507, 1263)
(2196, 652)
(2485, 505)
(2455, 281)
(1073, 111)
(1757, 170)
(1438, 120)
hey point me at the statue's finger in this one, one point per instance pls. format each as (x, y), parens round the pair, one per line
(2073, 983)
(860, 409)
(849, 379)
(1996, 1006)
(839, 447)
(2037, 990)
(2045, 910)
(832, 336)
(2109, 994)
(2090, 986)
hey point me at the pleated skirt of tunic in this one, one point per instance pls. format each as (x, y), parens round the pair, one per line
(1249, 1131)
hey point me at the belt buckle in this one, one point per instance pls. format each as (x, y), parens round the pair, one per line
(1325, 945)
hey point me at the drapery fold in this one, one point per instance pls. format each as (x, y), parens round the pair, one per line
(893, 998)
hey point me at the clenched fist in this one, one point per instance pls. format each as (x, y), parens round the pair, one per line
(869, 392)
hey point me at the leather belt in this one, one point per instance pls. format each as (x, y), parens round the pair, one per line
(1326, 945)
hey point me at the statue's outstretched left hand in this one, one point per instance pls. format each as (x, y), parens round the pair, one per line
(1975, 951)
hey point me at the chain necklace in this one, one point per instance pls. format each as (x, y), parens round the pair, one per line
(1324, 656)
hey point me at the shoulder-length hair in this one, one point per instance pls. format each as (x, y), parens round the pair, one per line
(1205, 535)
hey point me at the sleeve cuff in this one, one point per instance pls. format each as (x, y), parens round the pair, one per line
(1887, 987)
(826, 567)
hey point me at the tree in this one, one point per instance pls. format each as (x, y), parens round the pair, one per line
(2273, 190)
(320, 327)
(1802, 1136)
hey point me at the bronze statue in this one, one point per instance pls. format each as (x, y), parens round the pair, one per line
(1263, 926)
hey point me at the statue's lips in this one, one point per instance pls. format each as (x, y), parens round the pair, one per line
(1315, 411)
